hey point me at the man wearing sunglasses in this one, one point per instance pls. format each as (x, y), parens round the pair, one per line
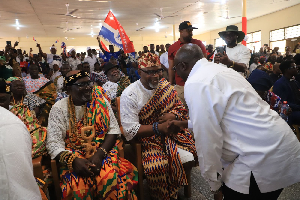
(289, 90)
(89, 174)
(241, 143)
(146, 107)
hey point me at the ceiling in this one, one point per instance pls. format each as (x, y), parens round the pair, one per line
(39, 18)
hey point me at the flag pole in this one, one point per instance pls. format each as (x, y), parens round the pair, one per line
(244, 20)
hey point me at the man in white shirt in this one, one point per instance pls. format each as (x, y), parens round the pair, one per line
(164, 60)
(240, 141)
(16, 174)
(254, 65)
(236, 56)
(90, 58)
(52, 56)
(73, 60)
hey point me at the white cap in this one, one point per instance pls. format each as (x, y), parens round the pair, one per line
(55, 62)
(52, 47)
(88, 48)
(72, 50)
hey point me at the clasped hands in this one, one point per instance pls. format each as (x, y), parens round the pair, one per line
(88, 167)
(168, 124)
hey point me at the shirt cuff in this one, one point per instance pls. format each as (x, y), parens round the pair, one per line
(190, 124)
(214, 186)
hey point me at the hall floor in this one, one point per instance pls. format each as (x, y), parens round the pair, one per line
(201, 191)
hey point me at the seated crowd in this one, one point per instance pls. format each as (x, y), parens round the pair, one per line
(68, 104)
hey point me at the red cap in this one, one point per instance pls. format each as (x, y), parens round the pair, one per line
(285, 102)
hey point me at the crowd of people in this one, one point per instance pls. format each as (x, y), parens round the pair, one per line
(183, 102)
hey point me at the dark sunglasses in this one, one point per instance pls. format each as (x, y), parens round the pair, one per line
(153, 72)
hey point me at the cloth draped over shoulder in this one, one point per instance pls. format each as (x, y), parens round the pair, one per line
(161, 161)
(48, 93)
(117, 176)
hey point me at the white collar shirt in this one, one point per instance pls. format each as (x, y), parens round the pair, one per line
(236, 130)
(73, 62)
(164, 59)
(16, 172)
(91, 60)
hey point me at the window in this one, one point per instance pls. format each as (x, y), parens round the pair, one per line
(281, 44)
(292, 32)
(254, 41)
(219, 42)
(277, 35)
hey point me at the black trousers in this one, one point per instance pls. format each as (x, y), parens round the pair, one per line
(254, 193)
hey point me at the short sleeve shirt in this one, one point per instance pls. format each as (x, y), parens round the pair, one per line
(173, 50)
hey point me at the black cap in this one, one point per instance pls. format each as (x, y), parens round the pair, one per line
(108, 66)
(186, 25)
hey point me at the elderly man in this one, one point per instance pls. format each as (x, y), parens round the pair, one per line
(236, 56)
(17, 181)
(90, 166)
(116, 84)
(146, 107)
(240, 140)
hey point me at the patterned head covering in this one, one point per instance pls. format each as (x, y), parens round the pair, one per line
(73, 78)
(12, 79)
(148, 60)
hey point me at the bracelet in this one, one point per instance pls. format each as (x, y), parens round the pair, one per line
(70, 161)
(64, 157)
(105, 152)
(155, 129)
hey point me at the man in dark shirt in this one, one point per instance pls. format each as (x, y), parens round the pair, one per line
(186, 36)
(289, 89)
(111, 52)
(276, 74)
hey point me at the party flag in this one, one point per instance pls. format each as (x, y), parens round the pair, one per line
(64, 47)
(56, 41)
(113, 32)
(104, 47)
(34, 39)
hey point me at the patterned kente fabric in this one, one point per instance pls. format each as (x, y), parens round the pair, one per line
(162, 166)
(122, 84)
(38, 133)
(117, 177)
(48, 93)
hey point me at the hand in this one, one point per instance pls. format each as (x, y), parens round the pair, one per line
(165, 117)
(97, 159)
(16, 43)
(81, 167)
(38, 45)
(98, 38)
(176, 123)
(167, 129)
(218, 196)
(225, 60)
(31, 50)
(217, 58)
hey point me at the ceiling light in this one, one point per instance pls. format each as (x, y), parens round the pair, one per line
(18, 28)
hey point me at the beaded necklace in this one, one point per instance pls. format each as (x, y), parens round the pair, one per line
(73, 132)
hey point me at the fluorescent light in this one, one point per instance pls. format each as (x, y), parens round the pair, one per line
(18, 28)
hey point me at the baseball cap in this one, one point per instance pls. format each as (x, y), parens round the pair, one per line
(186, 25)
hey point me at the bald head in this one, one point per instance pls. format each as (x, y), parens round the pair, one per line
(185, 59)
(188, 53)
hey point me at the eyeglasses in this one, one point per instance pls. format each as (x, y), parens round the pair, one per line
(153, 72)
(84, 84)
(175, 66)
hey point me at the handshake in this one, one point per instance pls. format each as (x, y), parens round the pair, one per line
(168, 125)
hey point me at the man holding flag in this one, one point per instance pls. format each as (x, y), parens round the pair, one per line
(113, 32)
(108, 53)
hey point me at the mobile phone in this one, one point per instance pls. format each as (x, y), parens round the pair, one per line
(220, 50)
(8, 43)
